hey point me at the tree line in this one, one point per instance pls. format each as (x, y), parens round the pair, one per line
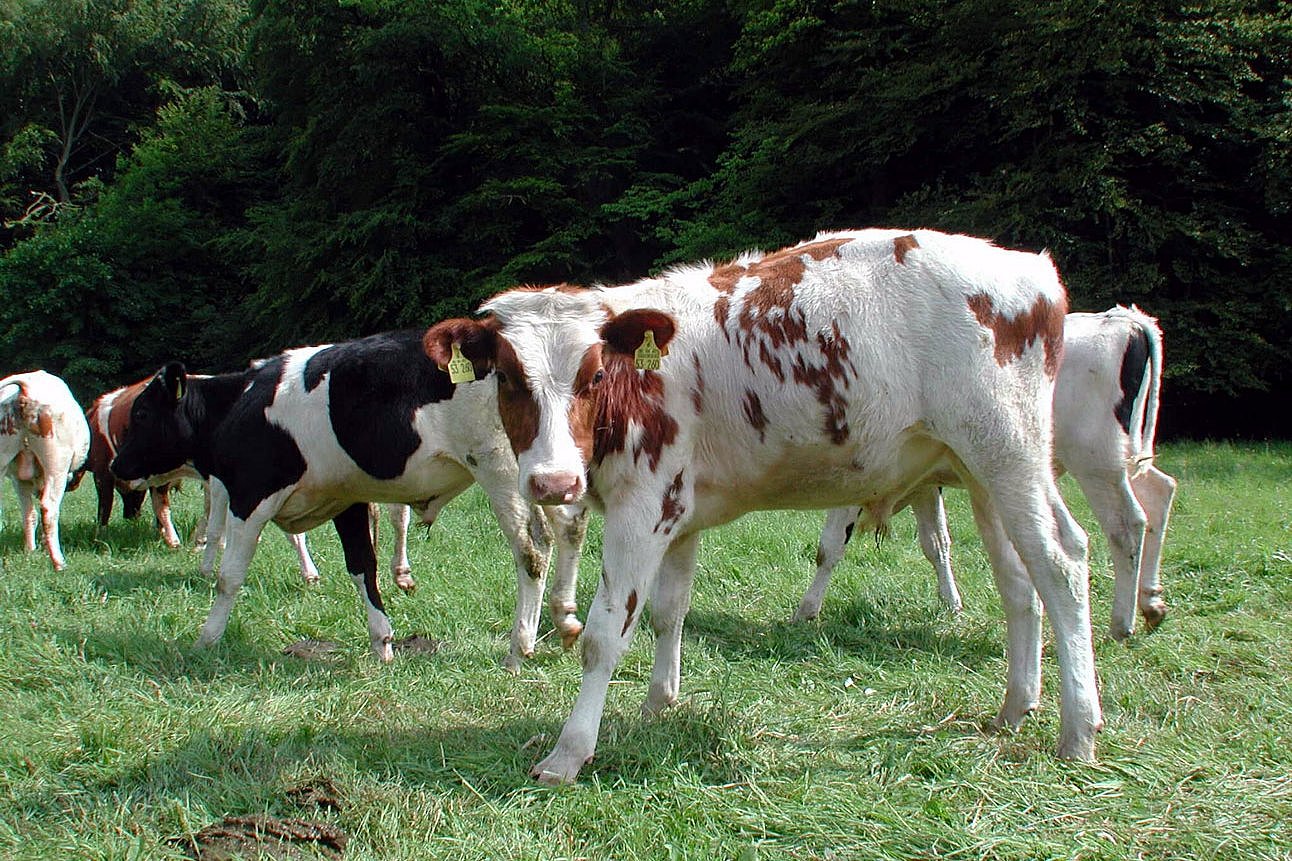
(215, 180)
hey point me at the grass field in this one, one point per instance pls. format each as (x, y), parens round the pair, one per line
(857, 736)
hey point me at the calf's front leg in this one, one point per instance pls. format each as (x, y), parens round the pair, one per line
(630, 565)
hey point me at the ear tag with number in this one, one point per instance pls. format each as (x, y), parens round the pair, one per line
(646, 357)
(460, 368)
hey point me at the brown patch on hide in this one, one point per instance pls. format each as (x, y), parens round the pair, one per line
(628, 397)
(630, 608)
(780, 268)
(829, 381)
(903, 244)
(119, 412)
(697, 391)
(767, 311)
(44, 426)
(1043, 322)
(754, 414)
(671, 508)
(721, 307)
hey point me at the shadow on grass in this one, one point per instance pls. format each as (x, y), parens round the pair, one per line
(863, 629)
(249, 770)
(168, 660)
(119, 536)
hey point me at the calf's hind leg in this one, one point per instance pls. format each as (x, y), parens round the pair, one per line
(361, 561)
(1155, 490)
(1053, 547)
(400, 569)
(570, 524)
(839, 523)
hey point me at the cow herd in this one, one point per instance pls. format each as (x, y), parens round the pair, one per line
(861, 372)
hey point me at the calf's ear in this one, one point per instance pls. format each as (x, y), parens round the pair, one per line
(625, 332)
(477, 339)
(173, 380)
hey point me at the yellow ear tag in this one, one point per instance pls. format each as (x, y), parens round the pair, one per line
(460, 368)
(646, 357)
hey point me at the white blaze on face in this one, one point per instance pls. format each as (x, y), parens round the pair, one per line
(549, 332)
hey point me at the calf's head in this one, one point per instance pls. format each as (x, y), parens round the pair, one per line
(562, 359)
(158, 438)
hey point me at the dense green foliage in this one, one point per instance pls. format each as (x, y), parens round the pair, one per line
(858, 736)
(217, 179)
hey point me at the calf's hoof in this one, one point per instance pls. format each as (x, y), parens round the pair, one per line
(1154, 615)
(1011, 717)
(656, 703)
(404, 580)
(558, 769)
(570, 632)
(805, 614)
(383, 650)
(1078, 747)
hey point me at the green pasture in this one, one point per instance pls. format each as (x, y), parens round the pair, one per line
(858, 736)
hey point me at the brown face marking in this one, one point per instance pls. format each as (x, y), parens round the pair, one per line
(628, 397)
(629, 607)
(903, 244)
(754, 414)
(583, 407)
(671, 508)
(516, 404)
(1043, 321)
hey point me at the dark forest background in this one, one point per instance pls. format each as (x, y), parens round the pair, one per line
(218, 179)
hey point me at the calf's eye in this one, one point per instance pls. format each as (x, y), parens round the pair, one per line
(598, 376)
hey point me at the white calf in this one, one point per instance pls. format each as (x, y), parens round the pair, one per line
(1105, 421)
(44, 439)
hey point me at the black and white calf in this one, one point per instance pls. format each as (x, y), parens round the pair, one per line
(1105, 422)
(316, 433)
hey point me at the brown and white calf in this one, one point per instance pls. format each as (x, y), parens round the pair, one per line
(316, 433)
(44, 440)
(857, 367)
(1105, 422)
(108, 417)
